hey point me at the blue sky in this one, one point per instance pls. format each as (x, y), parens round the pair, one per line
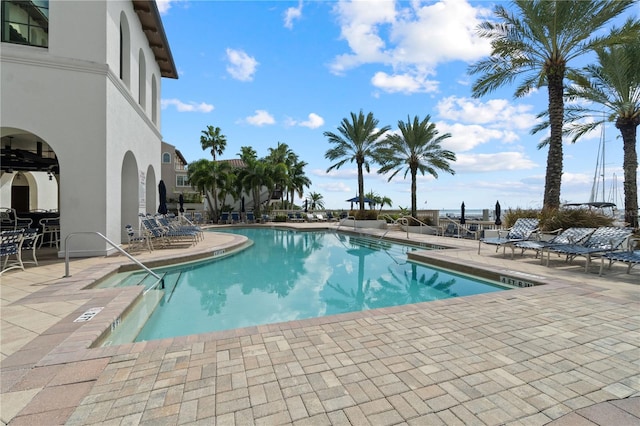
(283, 71)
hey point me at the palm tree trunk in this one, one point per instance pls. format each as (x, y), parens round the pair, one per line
(628, 128)
(553, 176)
(414, 189)
(361, 189)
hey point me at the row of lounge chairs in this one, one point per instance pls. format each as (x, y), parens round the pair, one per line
(236, 217)
(308, 217)
(162, 231)
(605, 241)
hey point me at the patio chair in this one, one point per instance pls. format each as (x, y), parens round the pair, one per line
(50, 231)
(629, 256)
(224, 218)
(251, 218)
(136, 241)
(311, 217)
(320, 217)
(265, 218)
(568, 236)
(30, 239)
(521, 230)
(235, 217)
(11, 245)
(602, 240)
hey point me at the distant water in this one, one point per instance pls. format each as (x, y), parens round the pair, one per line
(468, 213)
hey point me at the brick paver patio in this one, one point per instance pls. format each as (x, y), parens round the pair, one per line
(566, 352)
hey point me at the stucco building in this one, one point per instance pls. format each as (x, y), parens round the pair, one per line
(80, 113)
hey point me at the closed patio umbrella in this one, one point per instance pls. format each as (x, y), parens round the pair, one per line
(462, 218)
(498, 221)
(181, 202)
(162, 193)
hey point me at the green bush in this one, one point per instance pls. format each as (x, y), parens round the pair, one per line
(577, 217)
(364, 215)
(563, 218)
(280, 218)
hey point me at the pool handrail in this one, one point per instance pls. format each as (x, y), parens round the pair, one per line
(115, 246)
(404, 220)
(347, 218)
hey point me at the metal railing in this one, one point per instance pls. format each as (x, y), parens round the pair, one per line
(404, 221)
(115, 246)
(347, 218)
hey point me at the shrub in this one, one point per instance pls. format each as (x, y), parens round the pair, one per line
(280, 218)
(364, 215)
(511, 215)
(568, 218)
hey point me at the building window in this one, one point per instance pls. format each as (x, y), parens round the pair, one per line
(142, 82)
(125, 50)
(182, 180)
(166, 158)
(26, 22)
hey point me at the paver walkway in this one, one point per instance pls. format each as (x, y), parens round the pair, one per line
(566, 352)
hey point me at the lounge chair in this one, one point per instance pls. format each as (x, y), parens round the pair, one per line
(522, 230)
(265, 218)
(568, 236)
(224, 218)
(451, 231)
(235, 217)
(311, 217)
(602, 240)
(177, 231)
(251, 218)
(299, 217)
(630, 256)
(320, 217)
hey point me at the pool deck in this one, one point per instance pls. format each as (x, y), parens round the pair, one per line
(563, 353)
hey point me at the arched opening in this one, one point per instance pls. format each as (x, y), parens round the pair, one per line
(29, 176)
(125, 50)
(154, 100)
(142, 83)
(130, 193)
(152, 192)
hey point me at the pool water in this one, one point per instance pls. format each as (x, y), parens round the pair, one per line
(287, 275)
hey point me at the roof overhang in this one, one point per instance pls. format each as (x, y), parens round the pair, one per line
(149, 17)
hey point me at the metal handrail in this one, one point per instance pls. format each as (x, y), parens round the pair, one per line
(405, 221)
(346, 218)
(115, 246)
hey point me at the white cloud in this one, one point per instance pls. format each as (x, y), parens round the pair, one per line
(291, 14)
(186, 107)
(412, 39)
(241, 65)
(498, 112)
(335, 187)
(260, 118)
(313, 122)
(501, 161)
(403, 83)
(165, 5)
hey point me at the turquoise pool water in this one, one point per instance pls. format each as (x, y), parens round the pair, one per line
(287, 275)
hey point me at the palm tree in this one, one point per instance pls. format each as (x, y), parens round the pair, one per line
(614, 83)
(539, 42)
(200, 174)
(297, 180)
(316, 200)
(213, 139)
(357, 141)
(416, 149)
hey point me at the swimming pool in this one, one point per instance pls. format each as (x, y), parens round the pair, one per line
(288, 275)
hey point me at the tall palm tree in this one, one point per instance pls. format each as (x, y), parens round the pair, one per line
(201, 176)
(256, 174)
(416, 149)
(213, 139)
(614, 83)
(357, 141)
(538, 42)
(316, 200)
(282, 154)
(297, 180)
